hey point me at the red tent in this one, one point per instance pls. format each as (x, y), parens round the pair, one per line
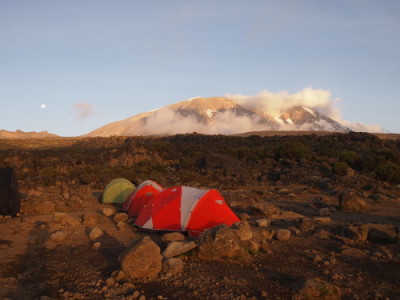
(136, 200)
(184, 208)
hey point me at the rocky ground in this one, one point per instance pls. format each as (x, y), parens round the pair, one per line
(305, 232)
(296, 244)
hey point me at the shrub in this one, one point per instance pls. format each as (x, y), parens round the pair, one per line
(293, 150)
(340, 168)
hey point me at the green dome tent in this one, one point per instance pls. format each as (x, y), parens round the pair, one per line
(117, 191)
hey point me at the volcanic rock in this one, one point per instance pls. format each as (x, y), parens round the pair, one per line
(178, 247)
(173, 266)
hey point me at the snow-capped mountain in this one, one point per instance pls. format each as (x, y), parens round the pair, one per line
(217, 115)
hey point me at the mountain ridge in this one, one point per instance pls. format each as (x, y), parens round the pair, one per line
(216, 115)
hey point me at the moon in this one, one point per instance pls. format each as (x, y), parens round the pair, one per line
(43, 106)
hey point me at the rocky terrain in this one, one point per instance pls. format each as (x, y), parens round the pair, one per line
(320, 219)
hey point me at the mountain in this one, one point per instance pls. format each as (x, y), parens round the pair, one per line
(216, 115)
(19, 134)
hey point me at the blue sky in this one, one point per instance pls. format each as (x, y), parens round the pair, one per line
(97, 61)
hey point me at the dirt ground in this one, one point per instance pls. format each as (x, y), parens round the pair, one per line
(35, 265)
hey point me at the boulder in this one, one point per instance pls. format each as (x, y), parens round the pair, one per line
(350, 200)
(314, 289)
(142, 259)
(243, 230)
(173, 236)
(173, 266)
(178, 247)
(220, 243)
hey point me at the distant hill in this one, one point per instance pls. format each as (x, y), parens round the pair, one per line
(19, 134)
(217, 115)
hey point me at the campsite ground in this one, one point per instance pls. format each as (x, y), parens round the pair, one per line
(47, 253)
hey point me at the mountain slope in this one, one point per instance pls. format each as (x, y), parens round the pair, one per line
(217, 115)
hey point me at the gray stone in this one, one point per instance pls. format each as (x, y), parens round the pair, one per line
(178, 247)
(142, 259)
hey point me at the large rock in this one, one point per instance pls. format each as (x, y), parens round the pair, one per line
(314, 289)
(58, 236)
(220, 243)
(243, 230)
(142, 259)
(350, 200)
(178, 247)
(173, 265)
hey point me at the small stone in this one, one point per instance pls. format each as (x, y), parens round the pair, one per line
(282, 234)
(95, 233)
(108, 211)
(142, 297)
(136, 294)
(121, 217)
(96, 246)
(263, 222)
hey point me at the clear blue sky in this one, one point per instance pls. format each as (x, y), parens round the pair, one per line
(108, 60)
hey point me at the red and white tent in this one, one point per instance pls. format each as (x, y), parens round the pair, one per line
(184, 208)
(136, 200)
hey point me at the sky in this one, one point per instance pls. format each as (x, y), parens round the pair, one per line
(70, 67)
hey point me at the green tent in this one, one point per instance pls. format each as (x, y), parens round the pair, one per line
(117, 191)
